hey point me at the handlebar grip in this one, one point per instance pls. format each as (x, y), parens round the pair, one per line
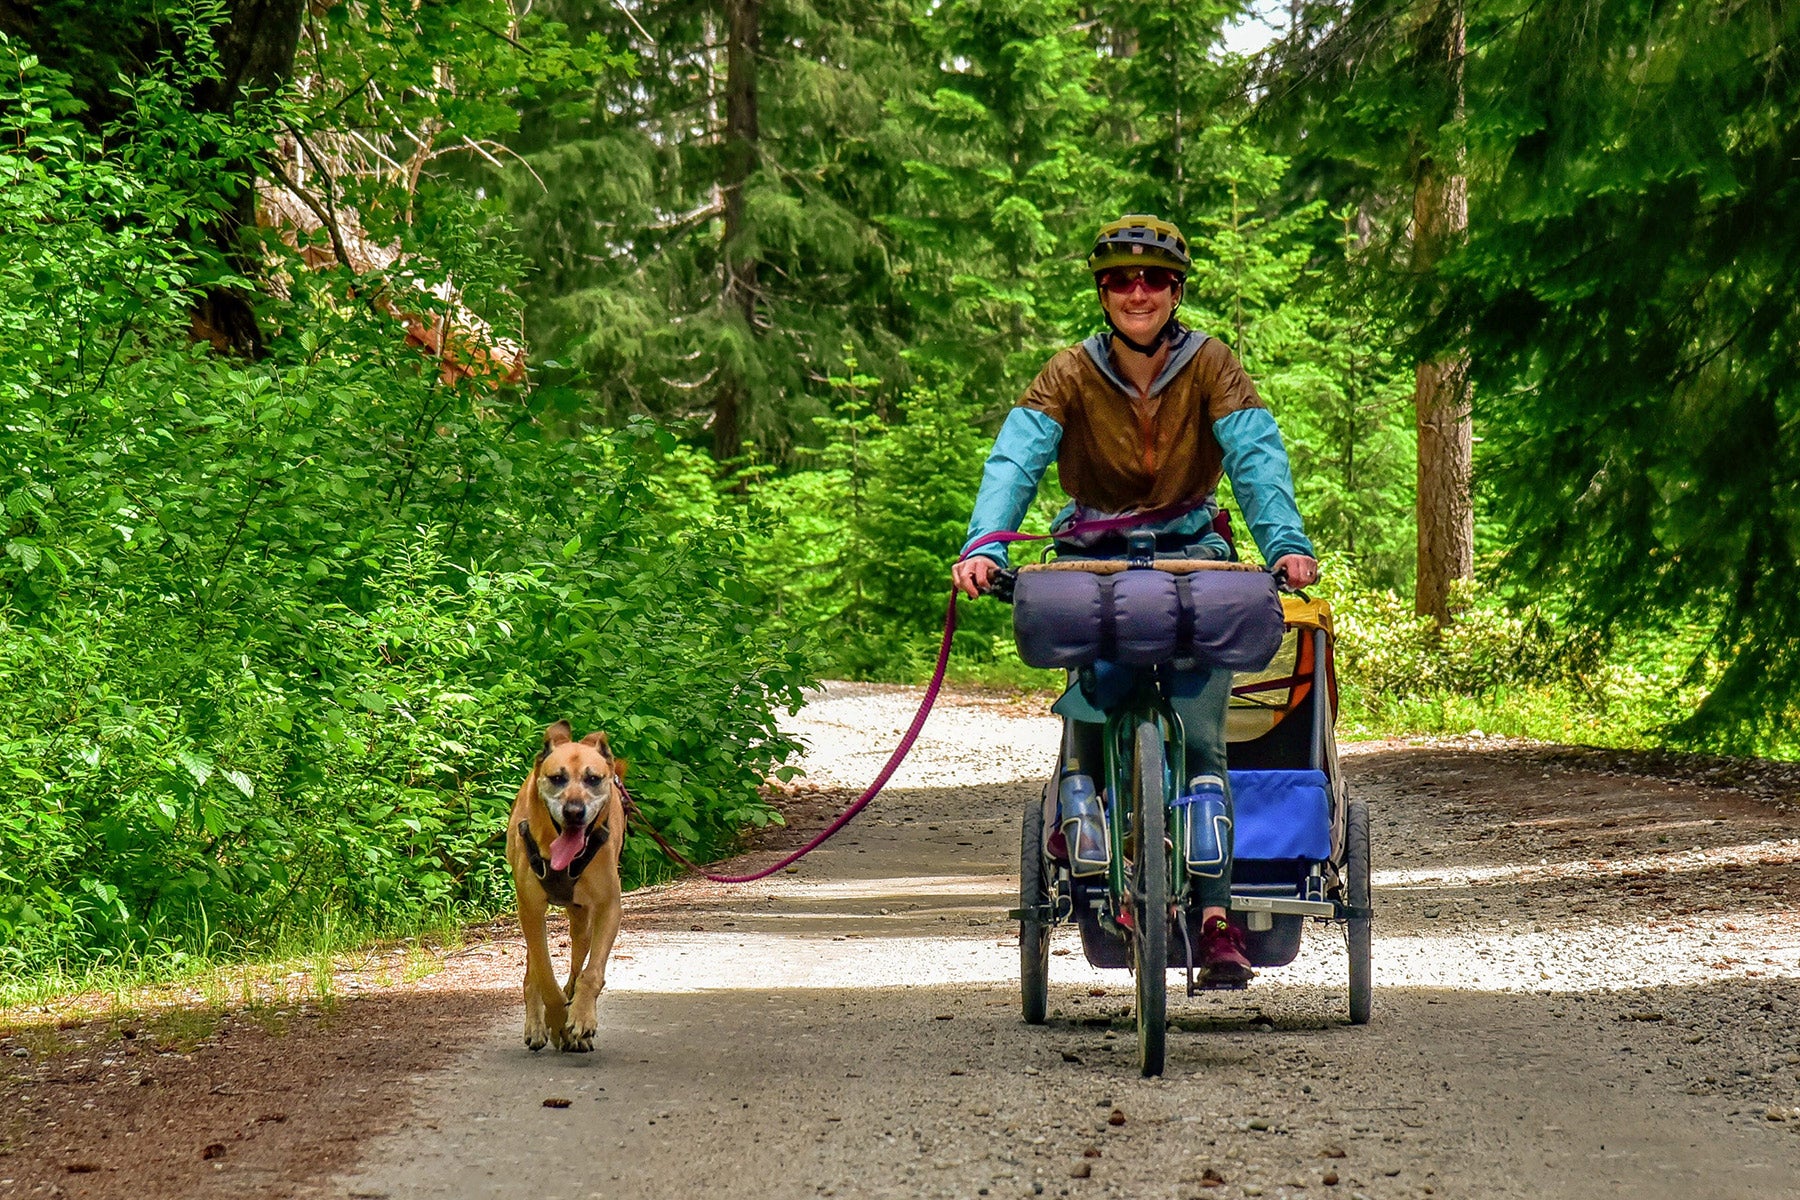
(1002, 586)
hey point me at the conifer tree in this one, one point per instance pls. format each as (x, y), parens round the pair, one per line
(1626, 294)
(711, 234)
(1371, 94)
(1440, 217)
(1630, 287)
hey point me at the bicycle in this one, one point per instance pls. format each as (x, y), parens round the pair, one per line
(1317, 864)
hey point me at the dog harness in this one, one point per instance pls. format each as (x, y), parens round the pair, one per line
(560, 885)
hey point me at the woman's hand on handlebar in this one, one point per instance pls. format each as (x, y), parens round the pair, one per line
(1297, 570)
(974, 575)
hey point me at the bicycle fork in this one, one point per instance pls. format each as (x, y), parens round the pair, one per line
(1117, 747)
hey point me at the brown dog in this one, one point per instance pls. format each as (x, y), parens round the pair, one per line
(563, 845)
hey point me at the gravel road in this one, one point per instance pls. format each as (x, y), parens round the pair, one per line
(1587, 986)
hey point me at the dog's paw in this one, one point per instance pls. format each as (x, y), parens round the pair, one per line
(577, 1039)
(535, 1040)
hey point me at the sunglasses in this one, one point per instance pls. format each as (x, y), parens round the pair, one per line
(1120, 280)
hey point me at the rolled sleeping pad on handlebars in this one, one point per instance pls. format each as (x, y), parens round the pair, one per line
(1071, 619)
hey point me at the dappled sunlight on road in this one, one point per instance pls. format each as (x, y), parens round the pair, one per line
(1781, 852)
(894, 888)
(1581, 980)
(800, 949)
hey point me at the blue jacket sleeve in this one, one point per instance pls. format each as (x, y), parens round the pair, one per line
(1257, 463)
(1024, 449)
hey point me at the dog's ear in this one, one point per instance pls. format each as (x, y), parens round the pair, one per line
(598, 741)
(554, 736)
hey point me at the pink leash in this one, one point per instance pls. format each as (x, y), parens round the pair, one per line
(1101, 525)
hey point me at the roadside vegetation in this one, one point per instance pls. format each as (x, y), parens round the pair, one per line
(378, 384)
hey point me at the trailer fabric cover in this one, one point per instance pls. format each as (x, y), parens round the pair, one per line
(1281, 815)
(1067, 619)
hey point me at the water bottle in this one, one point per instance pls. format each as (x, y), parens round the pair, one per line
(1208, 826)
(1083, 820)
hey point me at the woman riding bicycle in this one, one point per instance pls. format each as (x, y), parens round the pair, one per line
(1147, 418)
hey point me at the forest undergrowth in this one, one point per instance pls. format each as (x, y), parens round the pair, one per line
(278, 635)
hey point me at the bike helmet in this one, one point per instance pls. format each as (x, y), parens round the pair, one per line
(1136, 240)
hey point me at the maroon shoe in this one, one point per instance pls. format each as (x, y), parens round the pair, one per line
(1222, 960)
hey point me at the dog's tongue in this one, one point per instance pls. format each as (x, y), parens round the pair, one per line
(567, 847)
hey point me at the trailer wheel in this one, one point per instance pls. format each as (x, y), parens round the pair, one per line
(1358, 936)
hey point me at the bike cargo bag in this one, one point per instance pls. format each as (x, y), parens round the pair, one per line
(1140, 617)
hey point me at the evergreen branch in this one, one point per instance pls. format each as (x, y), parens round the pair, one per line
(679, 386)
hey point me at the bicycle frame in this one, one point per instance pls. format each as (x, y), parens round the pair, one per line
(1147, 702)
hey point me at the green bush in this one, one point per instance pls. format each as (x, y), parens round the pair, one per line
(1499, 668)
(277, 637)
(863, 541)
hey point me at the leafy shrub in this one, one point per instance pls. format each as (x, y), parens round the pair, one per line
(277, 637)
(863, 542)
(1498, 668)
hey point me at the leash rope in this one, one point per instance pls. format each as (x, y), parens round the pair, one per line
(862, 801)
(1078, 528)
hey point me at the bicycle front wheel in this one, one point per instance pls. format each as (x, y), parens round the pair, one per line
(1150, 895)
(1034, 930)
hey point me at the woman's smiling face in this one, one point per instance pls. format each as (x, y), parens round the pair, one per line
(1140, 312)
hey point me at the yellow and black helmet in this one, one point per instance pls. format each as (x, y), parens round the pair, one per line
(1137, 240)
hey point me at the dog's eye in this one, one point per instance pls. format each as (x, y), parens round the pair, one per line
(560, 778)
(592, 780)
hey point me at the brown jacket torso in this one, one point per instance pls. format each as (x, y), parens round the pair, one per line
(1122, 452)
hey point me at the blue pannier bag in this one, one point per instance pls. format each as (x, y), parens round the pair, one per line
(1281, 815)
(1217, 618)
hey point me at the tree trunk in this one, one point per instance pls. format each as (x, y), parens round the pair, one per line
(256, 59)
(1445, 512)
(742, 34)
(255, 45)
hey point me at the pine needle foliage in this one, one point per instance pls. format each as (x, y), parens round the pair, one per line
(1631, 283)
(1626, 295)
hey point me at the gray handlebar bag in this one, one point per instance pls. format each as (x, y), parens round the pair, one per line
(1069, 619)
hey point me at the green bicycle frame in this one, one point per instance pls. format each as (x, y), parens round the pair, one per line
(1146, 703)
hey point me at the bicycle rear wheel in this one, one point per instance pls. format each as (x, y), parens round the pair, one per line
(1150, 896)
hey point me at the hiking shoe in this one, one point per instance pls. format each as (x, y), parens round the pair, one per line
(1222, 960)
